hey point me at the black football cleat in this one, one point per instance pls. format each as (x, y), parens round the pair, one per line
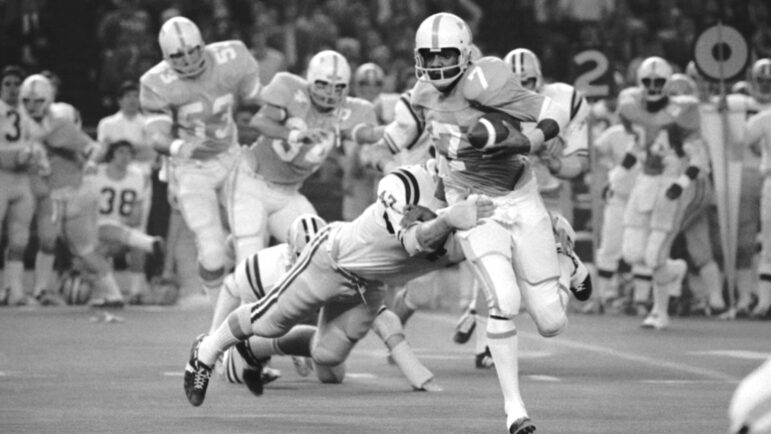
(197, 375)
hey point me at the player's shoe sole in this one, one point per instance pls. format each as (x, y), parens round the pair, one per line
(522, 426)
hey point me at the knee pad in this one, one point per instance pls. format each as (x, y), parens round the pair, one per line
(550, 311)
(211, 250)
(331, 347)
(329, 374)
(633, 247)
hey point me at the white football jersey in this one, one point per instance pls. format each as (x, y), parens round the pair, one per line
(259, 273)
(371, 246)
(119, 197)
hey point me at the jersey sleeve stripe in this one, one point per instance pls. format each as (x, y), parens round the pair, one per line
(575, 104)
(404, 98)
(415, 186)
(407, 186)
(255, 279)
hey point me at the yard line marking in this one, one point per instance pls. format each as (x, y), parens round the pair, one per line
(545, 378)
(737, 354)
(576, 345)
(173, 374)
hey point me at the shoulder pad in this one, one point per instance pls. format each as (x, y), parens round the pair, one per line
(283, 86)
(485, 76)
(405, 186)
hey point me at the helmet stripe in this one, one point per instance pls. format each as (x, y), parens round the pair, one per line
(435, 32)
(178, 29)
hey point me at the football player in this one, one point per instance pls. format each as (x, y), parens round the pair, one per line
(189, 100)
(257, 276)
(123, 189)
(672, 172)
(566, 156)
(68, 205)
(507, 251)
(301, 121)
(16, 200)
(758, 131)
(343, 270)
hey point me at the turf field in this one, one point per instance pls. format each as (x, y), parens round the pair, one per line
(63, 371)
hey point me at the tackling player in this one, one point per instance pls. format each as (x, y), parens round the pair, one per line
(189, 99)
(343, 271)
(17, 202)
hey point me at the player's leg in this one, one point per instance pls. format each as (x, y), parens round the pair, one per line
(488, 248)
(610, 251)
(637, 218)
(389, 329)
(19, 217)
(200, 207)
(245, 197)
(292, 205)
(47, 233)
(764, 264)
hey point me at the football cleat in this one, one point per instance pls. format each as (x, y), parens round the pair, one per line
(197, 375)
(465, 327)
(522, 426)
(429, 386)
(580, 279)
(252, 373)
(484, 360)
(655, 321)
(303, 365)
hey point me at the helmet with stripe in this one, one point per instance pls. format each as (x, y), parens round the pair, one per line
(302, 231)
(75, 288)
(681, 84)
(760, 77)
(182, 46)
(653, 74)
(36, 95)
(328, 77)
(437, 33)
(368, 81)
(526, 66)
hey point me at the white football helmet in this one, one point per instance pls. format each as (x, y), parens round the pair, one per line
(328, 77)
(681, 84)
(182, 46)
(36, 95)
(303, 229)
(653, 75)
(760, 77)
(439, 32)
(368, 81)
(526, 66)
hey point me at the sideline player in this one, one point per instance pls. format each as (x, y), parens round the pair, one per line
(189, 99)
(123, 189)
(17, 202)
(70, 202)
(343, 271)
(674, 158)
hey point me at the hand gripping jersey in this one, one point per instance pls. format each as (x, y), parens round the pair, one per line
(487, 85)
(279, 163)
(574, 137)
(665, 130)
(371, 246)
(119, 197)
(201, 109)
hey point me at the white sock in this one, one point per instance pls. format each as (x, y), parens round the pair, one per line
(13, 276)
(224, 336)
(44, 271)
(481, 339)
(138, 282)
(503, 342)
(140, 240)
(226, 303)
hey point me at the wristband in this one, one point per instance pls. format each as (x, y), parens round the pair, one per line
(175, 147)
(629, 161)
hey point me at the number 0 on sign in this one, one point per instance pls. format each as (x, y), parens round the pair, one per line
(721, 52)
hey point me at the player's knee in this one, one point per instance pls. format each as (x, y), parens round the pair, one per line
(16, 250)
(329, 374)
(388, 327)
(211, 256)
(331, 347)
(550, 314)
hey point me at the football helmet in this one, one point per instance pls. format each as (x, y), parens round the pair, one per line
(741, 87)
(760, 77)
(436, 33)
(526, 66)
(681, 84)
(36, 95)
(653, 74)
(182, 46)
(75, 288)
(303, 229)
(328, 77)
(368, 81)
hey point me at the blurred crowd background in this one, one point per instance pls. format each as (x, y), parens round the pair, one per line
(94, 45)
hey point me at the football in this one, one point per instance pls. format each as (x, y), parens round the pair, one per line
(493, 127)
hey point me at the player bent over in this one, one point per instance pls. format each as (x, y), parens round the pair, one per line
(343, 271)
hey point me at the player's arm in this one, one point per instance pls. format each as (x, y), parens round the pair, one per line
(758, 127)
(695, 153)
(159, 121)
